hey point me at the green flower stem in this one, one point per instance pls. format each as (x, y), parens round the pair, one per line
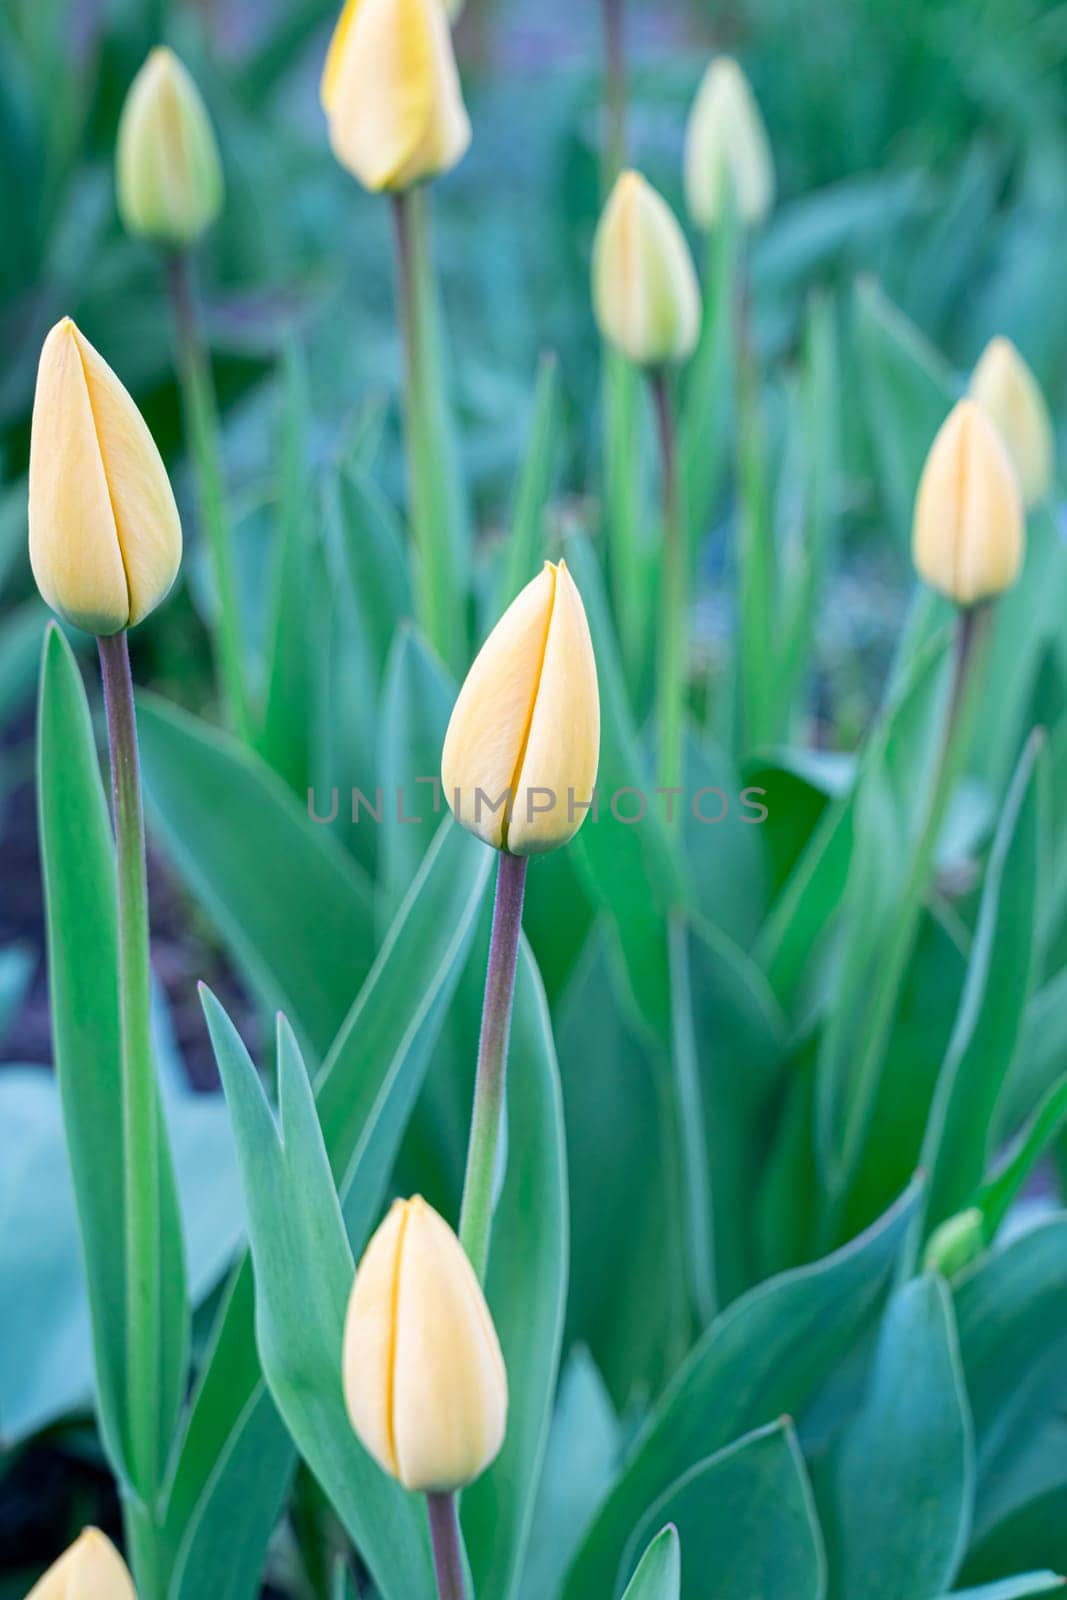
(140, 1108)
(202, 428)
(447, 1542)
(436, 512)
(673, 625)
(476, 1213)
(972, 630)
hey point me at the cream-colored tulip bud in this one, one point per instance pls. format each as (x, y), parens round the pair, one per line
(105, 539)
(391, 93)
(645, 291)
(91, 1569)
(1003, 385)
(169, 176)
(968, 534)
(726, 141)
(520, 756)
(424, 1378)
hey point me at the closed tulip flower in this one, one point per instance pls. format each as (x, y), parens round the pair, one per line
(169, 175)
(968, 533)
(1004, 386)
(391, 93)
(91, 1569)
(105, 539)
(726, 141)
(521, 752)
(645, 291)
(424, 1379)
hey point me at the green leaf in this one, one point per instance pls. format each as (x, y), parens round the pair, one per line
(292, 907)
(880, 914)
(627, 1297)
(999, 977)
(526, 1290)
(236, 1458)
(1028, 1586)
(80, 898)
(628, 868)
(583, 1445)
(764, 1356)
(417, 701)
(284, 736)
(998, 1194)
(746, 1521)
(1011, 1309)
(659, 1572)
(527, 536)
(304, 1270)
(1027, 618)
(706, 420)
(896, 1497)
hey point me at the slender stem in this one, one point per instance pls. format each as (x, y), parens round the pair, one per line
(139, 1103)
(447, 1544)
(434, 511)
(614, 90)
(968, 649)
(673, 626)
(202, 427)
(476, 1213)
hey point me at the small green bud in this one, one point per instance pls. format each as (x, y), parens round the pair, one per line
(956, 1243)
(168, 172)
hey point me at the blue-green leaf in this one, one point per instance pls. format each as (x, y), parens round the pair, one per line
(896, 1497)
(293, 908)
(746, 1520)
(763, 1357)
(304, 1270)
(659, 1572)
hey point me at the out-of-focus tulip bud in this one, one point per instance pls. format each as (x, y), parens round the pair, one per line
(645, 291)
(105, 539)
(391, 93)
(424, 1379)
(1003, 385)
(726, 141)
(967, 539)
(521, 752)
(956, 1243)
(169, 175)
(91, 1569)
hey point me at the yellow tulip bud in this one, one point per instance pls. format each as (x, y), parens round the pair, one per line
(726, 140)
(169, 175)
(105, 539)
(424, 1379)
(645, 291)
(523, 743)
(91, 1569)
(390, 90)
(1003, 385)
(967, 539)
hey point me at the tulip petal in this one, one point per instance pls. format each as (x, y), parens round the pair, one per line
(968, 535)
(490, 722)
(74, 546)
(563, 742)
(142, 501)
(392, 93)
(369, 1340)
(1007, 390)
(449, 1380)
(645, 291)
(91, 1569)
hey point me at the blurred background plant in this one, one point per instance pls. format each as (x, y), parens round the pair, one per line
(922, 203)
